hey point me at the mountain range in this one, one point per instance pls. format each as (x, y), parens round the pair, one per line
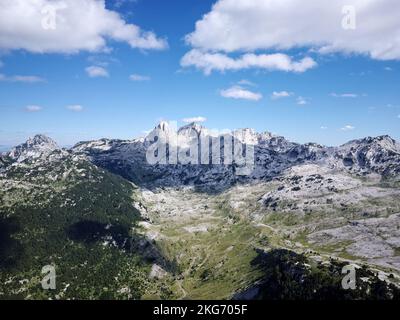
(116, 226)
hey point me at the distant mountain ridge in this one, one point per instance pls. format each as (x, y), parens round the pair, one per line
(273, 154)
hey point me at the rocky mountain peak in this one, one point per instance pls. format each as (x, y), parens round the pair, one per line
(384, 141)
(41, 139)
(264, 136)
(189, 127)
(34, 147)
(377, 154)
(163, 126)
(246, 136)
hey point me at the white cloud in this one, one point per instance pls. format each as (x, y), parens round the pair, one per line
(18, 78)
(347, 128)
(280, 94)
(84, 25)
(194, 119)
(344, 95)
(75, 108)
(138, 77)
(245, 82)
(248, 25)
(323, 127)
(208, 62)
(33, 108)
(96, 71)
(237, 92)
(301, 101)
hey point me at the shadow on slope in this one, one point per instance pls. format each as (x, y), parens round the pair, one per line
(11, 250)
(118, 235)
(291, 276)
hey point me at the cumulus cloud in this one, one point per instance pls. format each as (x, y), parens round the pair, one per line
(138, 77)
(237, 92)
(67, 26)
(301, 101)
(96, 71)
(33, 108)
(25, 79)
(347, 128)
(344, 95)
(248, 25)
(75, 108)
(209, 61)
(194, 119)
(280, 94)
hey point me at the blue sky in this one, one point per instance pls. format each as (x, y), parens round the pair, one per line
(347, 94)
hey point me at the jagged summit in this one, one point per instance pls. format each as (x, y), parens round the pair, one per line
(273, 155)
(377, 154)
(384, 141)
(41, 139)
(191, 126)
(168, 128)
(247, 135)
(33, 148)
(163, 125)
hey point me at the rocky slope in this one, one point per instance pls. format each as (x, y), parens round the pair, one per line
(379, 155)
(56, 208)
(300, 191)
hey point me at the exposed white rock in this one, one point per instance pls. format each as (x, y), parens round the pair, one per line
(157, 272)
(198, 228)
(36, 147)
(375, 239)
